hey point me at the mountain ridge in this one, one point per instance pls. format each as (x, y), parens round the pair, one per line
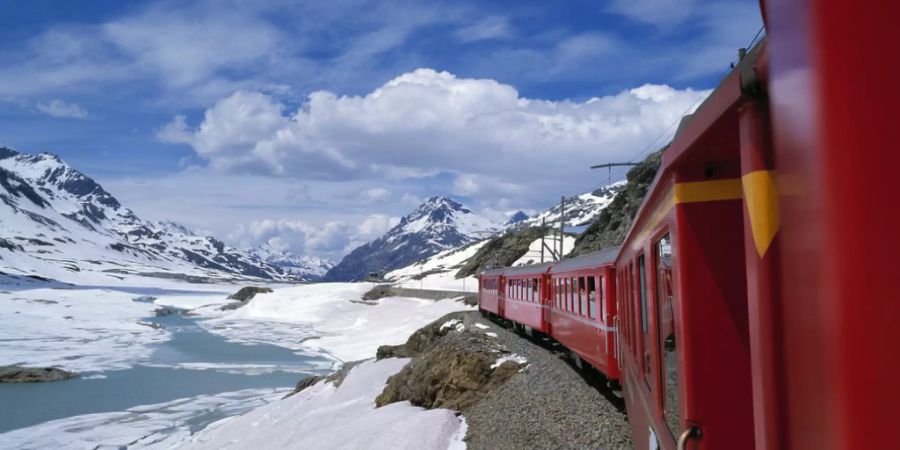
(56, 213)
(438, 224)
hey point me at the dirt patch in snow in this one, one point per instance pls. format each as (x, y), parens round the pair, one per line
(452, 367)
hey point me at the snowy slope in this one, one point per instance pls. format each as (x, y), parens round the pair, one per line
(440, 223)
(533, 254)
(344, 326)
(56, 221)
(439, 271)
(325, 416)
(580, 210)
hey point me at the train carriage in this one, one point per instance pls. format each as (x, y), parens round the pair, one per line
(490, 293)
(583, 309)
(754, 289)
(682, 276)
(526, 294)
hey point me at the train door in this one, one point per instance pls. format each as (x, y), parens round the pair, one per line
(708, 324)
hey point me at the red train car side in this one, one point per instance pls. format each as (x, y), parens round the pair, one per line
(526, 297)
(685, 344)
(583, 309)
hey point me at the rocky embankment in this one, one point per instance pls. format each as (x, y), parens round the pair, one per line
(18, 374)
(512, 392)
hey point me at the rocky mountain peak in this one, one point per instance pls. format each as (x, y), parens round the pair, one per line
(437, 224)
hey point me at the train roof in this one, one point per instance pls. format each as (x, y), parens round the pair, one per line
(599, 258)
(527, 270)
(492, 272)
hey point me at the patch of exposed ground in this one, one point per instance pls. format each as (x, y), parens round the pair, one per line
(513, 393)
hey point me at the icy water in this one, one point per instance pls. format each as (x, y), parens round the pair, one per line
(193, 362)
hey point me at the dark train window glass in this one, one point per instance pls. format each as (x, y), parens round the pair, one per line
(592, 297)
(666, 325)
(537, 290)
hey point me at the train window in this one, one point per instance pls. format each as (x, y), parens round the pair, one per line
(592, 297)
(582, 297)
(602, 297)
(573, 295)
(645, 319)
(556, 295)
(635, 313)
(537, 290)
(666, 324)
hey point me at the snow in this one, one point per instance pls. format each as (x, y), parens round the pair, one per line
(158, 426)
(510, 357)
(329, 318)
(482, 326)
(77, 329)
(579, 210)
(454, 324)
(441, 271)
(327, 417)
(493, 335)
(533, 254)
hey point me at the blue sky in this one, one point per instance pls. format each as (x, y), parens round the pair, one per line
(314, 125)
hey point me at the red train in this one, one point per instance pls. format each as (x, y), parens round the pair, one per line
(754, 300)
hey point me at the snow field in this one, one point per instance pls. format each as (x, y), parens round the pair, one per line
(329, 318)
(327, 417)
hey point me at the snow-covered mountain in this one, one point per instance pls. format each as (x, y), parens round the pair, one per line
(580, 210)
(311, 268)
(438, 224)
(56, 221)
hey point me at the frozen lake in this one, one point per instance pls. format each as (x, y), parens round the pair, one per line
(192, 363)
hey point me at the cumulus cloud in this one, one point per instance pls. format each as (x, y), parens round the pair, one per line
(374, 226)
(491, 139)
(59, 108)
(331, 239)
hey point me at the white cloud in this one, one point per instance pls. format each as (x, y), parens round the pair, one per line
(375, 226)
(330, 239)
(187, 48)
(657, 12)
(411, 200)
(376, 194)
(491, 27)
(480, 131)
(59, 108)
